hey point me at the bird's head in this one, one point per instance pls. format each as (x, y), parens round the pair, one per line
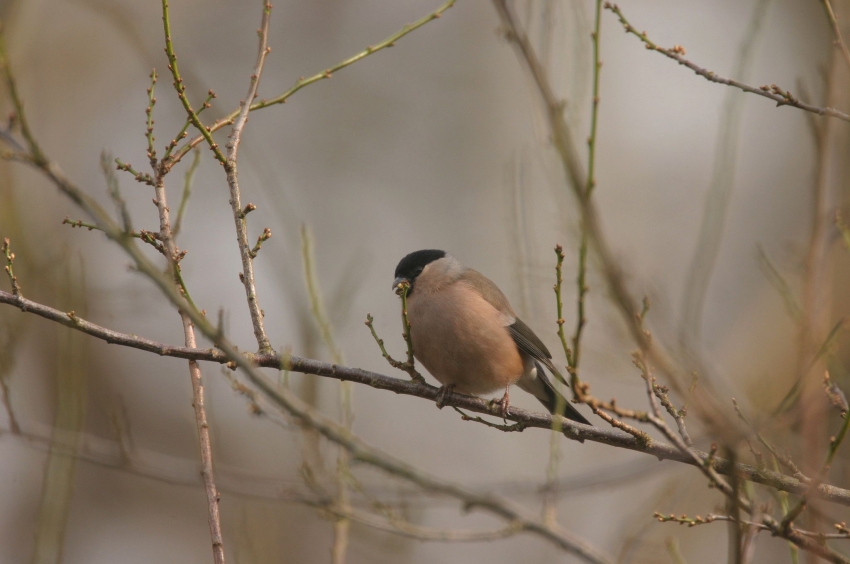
(411, 266)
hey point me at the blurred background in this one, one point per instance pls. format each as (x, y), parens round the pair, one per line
(435, 143)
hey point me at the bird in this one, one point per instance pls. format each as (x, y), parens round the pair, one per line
(465, 333)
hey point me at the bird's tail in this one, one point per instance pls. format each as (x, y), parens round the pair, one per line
(542, 388)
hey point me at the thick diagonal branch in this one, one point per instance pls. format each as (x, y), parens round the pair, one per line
(572, 430)
(705, 404)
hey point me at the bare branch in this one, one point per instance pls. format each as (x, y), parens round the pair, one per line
(303, 82)
(712, 517)
(282, 399)
(571, 430)
(404, 528)
(10, 260)
(772, 92)
(836, 30)
(206, 132)
(245, 251)
(187, 190)
(562, 140)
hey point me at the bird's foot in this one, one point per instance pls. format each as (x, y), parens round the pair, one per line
(443, 394)
(504, 402)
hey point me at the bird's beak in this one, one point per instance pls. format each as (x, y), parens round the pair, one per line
(398, 281)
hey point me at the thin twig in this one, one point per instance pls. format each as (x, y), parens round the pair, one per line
(806, 543)
(247, 274)
(654, 394)
(143, 177)
(149, 113)
(114, 189)
(516, 427)
(559, 305)
(581, 276)
(10, 260)
(836, 30)
(206, 132)
(402, 291)
(775, 278)
(408, 366)
(187, 191)
(183, 131)
(836, 395)
(35, 152)
(784, 460)
(213, 497)
(149, 237)
(404, 528)
(303, 82)
(712, 517)
(341, 524)
(783, 529)
(772, 92)
(317, 306)
(678, 415)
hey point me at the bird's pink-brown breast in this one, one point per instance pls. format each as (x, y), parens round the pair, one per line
(453, 329)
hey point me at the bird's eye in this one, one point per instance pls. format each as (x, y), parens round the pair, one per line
(417, 271)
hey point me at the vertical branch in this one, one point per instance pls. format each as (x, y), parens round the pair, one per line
(836, 30)
(181, 90)
(6, 249)
(149, 114)
(405, 322)
(187, 191)
(519, 238)
(707, 406)
(213, 496)
(550, 495)
(316, 304)
(573, 354)
(173, 255)
(736, 537)
(7, 346)
(34, 149)
(815, 289)
(594, 113)
(582, 288)
(239, 215)
(167, 238)
(341, 524)
(70, 371)
(559, 304)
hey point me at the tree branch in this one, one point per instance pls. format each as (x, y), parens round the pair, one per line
(707, 406)
(771, 92)
(302, 82)
(239, 216)
(836, 30)
(284, 400)
(571, 430)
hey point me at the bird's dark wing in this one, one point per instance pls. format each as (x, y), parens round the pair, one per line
(531, 344)
(554, 401)
(526, 340)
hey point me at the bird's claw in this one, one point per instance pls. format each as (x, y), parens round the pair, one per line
(443, 394)
(504, 402)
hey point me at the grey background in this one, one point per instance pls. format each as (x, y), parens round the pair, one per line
(434, 143)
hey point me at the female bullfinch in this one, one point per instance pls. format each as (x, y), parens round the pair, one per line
(465, 333)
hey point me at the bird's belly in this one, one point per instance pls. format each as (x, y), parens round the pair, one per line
(463, 343)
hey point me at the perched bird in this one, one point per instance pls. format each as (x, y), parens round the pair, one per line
(466, 334)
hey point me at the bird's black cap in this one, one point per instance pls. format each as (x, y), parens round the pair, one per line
(412, 265)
